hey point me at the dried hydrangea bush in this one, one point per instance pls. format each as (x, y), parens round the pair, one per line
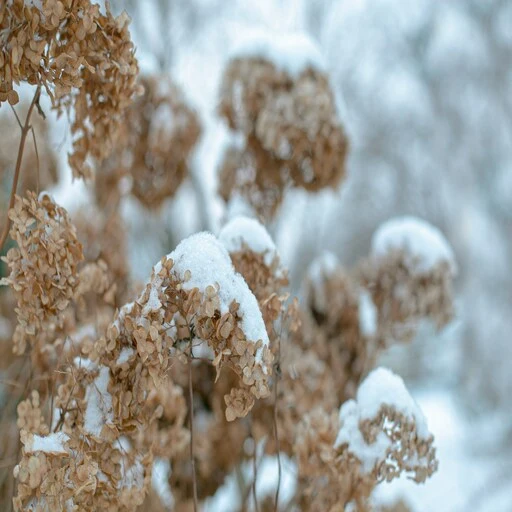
(287, 118)
(105, 398)
(153, 397)
(121, 403)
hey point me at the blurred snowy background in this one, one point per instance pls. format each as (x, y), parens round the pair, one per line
(425, 90)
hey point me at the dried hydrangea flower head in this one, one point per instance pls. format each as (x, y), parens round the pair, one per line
(55, 466)
(84, 59)
(339, 323)
(384, 431)
(276, 94)
(43, 266)
(410, 276)
(38, 168)
(159, 134)
(378, 436)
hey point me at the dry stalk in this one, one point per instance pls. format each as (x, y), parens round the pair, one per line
(277, 372)
(25, 129)
(191, 424)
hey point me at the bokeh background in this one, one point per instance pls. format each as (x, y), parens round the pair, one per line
(425, 91)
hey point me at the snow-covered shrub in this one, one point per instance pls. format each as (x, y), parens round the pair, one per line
(154, 395)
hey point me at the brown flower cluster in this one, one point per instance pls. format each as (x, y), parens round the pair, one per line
(410, 275)
(404, 297)
(115, 401)
(341, 460)
(82, 57)
(153, 153)
(43, 266)
(291, 131)
(255, 257)
(58, 471)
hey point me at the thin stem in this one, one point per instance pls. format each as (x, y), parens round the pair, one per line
(37, 157)
(24, 132)
(17, 117)
(276, 433)
(191, 424)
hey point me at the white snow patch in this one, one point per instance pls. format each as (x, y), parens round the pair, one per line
(87, 364)
(52, 443)
(162, 122)
(368, 315)
(160, 481)
(292, 53)
(381, 387)
(153, 303)
(423, 243)
(201, 261)
(131, 476)
(240, 230)
(99, 403)
(125, 355)
(238, 206)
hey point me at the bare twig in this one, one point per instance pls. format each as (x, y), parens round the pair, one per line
(277, 371)
(37, 157)
(24, 132)
(191, 423)
(17, 117)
